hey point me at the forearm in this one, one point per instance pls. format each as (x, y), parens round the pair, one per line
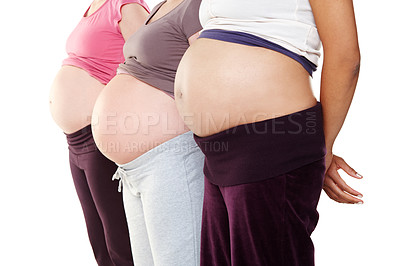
(337, 29)
(338, 83)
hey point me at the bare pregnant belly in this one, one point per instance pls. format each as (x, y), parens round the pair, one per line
(220, 85)
(131, 117)
(72, 98)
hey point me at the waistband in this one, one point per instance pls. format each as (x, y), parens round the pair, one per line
(81, 141)
(252, 40)
(265, 149)
(182, 145)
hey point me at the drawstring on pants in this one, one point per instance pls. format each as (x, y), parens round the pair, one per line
(119, 175)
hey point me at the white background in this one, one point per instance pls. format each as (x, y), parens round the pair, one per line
(41, 221)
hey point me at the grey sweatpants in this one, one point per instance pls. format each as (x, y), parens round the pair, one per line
(163, 197)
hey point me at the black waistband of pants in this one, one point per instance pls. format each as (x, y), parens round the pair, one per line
(261, 150)
(81, 141)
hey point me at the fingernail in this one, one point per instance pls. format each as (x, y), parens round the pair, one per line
(360, 202)
(360, 196)
(358, 175)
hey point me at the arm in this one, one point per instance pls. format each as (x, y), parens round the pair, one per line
(133, 17)
(337, 29)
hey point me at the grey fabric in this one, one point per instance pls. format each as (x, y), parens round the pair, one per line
(152, 54)
(163, 197)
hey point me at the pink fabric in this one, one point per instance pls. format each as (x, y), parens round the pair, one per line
(96, 43)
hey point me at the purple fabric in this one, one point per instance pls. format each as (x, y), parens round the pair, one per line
(265, 149)
(252, 40)
(101, 202)
(266, 223)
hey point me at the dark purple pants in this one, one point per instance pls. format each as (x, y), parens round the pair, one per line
(262, 187)
(101, 202)
(265, 223)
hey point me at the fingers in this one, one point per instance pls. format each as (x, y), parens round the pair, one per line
(341, 164)
(336, 188)
(335, 176)
(337, 194)
(332, 195)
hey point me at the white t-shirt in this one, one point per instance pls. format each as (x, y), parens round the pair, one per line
(288, 23)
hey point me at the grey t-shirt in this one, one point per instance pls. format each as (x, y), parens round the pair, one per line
(152, 54)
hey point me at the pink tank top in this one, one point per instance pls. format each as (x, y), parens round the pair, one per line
(96, 43)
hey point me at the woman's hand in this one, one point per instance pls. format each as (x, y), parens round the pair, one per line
(334, 185)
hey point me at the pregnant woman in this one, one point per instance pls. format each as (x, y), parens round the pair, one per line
(136, 124)
(94, 51)
(244, 90)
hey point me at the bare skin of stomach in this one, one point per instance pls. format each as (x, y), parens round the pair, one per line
(220, 85)
(131, 117)
(72, 97)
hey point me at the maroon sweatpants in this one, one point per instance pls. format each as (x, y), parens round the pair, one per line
(265, 223)
(101, 202)
(263, 183)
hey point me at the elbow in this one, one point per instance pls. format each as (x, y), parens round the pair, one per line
(353, 62)
(357, 64)
(356, 68)
(348, 60)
